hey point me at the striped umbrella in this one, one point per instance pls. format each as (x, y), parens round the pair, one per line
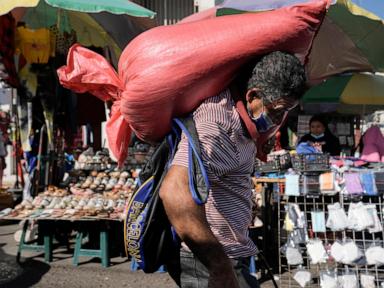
(351, 37)
(347, 94)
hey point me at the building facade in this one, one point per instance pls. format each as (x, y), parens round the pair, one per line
(171, 11)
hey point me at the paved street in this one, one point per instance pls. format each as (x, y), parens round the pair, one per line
(34, 272)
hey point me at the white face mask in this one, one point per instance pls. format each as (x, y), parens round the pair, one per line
(317, 136)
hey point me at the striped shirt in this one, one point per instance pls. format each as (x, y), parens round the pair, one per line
(228, 156)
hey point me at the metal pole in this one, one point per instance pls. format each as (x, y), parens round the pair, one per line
(39, 155)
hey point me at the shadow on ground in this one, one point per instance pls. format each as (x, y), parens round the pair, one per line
(21, 275)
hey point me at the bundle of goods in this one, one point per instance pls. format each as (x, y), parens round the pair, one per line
(168, 71)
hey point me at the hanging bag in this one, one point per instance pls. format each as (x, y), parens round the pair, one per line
(148, 235)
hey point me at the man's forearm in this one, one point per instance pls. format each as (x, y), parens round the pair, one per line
(190, 222)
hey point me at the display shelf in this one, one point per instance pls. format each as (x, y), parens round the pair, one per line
(363, 239)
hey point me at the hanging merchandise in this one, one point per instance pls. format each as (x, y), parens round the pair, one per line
(328, 279)
(311, 185)
(367, 281)
(372, 211)
(293, 255)
(296, 216)
(375, 255)
(296, 224)
(337, 219)
(302, 277)
(29, 80)
(368, 183)
(327, 183)
(316, 251)
(292, 185)
(177, 62)
(379, 181)
(289, 226)
(348, 280)
(353, 184)
(337, 251)
(346, 249)
(35, 45)
(345, 252)
(298, 236)
(48, 116)
(24, 110)
(318, 221)
(358, 217)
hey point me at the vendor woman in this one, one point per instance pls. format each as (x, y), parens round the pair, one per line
(320, 136)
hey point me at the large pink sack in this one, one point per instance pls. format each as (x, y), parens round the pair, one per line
(168, 71)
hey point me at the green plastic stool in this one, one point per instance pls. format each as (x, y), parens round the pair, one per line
(45, 233)
(101, 253)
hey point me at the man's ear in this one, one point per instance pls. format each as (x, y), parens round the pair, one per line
(251, 94)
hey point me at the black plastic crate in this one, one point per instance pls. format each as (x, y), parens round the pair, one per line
(310, 162)
(275, 164)
(285, 161)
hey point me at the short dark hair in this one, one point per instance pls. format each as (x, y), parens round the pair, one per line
(278, 74)
(319, 118)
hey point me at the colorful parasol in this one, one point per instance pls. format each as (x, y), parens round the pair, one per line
(351, 37)
(89, 6)
(94, 28)
(347, 94)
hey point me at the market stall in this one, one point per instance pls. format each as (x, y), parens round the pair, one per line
(330, 215)
(330, 224)
(327, 210)
(47, 119)
(91, 200)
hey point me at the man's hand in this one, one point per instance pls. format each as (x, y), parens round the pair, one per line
(190, 223)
